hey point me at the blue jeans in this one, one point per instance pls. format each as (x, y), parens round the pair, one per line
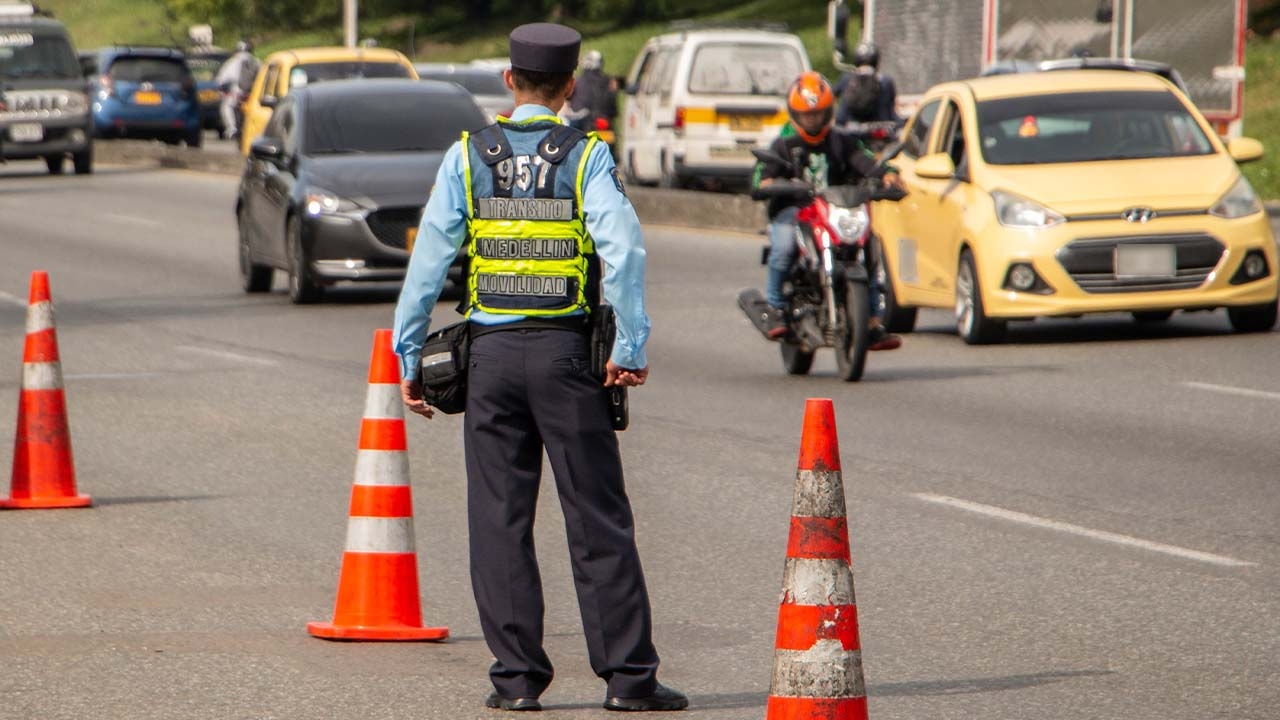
(782, 252)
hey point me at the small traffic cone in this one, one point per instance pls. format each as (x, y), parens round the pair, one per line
(378, 584)
(817, 662)
(43, 475)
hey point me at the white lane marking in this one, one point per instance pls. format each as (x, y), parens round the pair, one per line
(147, 222)
(1228, 390)
(12, 299)
(227, 355)
(1013, 516)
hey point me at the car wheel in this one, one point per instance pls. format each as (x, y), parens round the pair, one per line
(972, 324)
(303, 289)
(1152, 317)
(1253, 318)
(172, 139)
(54, 163)
(195, 139)
(897, 319)
(83, 162)
(794, 360)
(254, 278)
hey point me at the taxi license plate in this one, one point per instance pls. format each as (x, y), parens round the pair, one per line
(146, 97)
(1139, 261)
(746, 123)
(26, 132)
(410, 237)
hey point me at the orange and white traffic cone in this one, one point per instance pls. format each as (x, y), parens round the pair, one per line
(43, 475)
(817, 662)
(378, 584)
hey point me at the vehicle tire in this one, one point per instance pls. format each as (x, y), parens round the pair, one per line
(629, 169)
(852, 341)
(172, 139)
(195, 140)
(972, 324)
(54, 163)
(1253, 318)
(794, 360)
(896, 318)
(83, 162)
(1152, 317)
(303, 290)
(667, 178)
(254, 278)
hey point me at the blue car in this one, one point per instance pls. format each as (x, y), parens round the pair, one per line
(143, 92)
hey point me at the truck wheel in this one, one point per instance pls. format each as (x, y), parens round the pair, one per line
(83, 162)
(54, 163)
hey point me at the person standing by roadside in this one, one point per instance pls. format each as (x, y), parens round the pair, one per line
(557, 191)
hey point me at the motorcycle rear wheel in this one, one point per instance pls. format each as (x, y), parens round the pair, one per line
(794, 360)
(854, 337)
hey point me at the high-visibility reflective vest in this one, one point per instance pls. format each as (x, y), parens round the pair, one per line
(530, 253)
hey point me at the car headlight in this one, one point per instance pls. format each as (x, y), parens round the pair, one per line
(322, 202)
(77, 103)
(1239, 201)
(1019, 212)
(850, 223)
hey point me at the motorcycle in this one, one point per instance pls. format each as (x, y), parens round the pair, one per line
(827, 288)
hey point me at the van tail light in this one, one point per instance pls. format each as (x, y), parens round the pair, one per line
(602, 123)
(678, 123)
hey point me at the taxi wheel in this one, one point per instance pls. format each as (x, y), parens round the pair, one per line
(302, 288)
(1253, 318)
(254, 278)
(794, 360)
(897, 319)
(1152, 317)
(972, 324)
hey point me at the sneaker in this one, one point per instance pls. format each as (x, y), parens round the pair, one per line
(882, 339)
(775, 322)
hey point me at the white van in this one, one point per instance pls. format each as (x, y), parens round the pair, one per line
(699, 100)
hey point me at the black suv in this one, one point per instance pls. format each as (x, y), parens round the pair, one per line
(44, 103)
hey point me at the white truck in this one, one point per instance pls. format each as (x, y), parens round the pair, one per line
(925, 42)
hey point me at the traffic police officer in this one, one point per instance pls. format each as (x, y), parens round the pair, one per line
(541, 205)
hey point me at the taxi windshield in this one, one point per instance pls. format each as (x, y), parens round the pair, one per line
(1088, 127)
(319, 72)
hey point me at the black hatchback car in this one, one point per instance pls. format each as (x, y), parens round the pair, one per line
(335, 187)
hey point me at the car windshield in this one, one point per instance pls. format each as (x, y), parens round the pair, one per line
(1087, 127)
(148, 70)
(319, 72)
(474, 83)
(205, 67)
(744, 69)
(402, 122)
(26, 55)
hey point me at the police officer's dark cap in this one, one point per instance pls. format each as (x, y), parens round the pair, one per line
(545, 47)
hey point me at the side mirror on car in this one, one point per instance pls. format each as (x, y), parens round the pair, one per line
(268, 149)
(1243, 149)
(937, 166)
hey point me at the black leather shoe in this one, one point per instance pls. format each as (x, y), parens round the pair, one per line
(663, 698)
(497, 702)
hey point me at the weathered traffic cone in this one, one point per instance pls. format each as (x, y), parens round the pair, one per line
(378, 584)
(43, 474)
(817, 662)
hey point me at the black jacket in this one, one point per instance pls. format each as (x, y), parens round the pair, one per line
(841, 154)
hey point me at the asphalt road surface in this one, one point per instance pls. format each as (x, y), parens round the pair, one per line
(1081, 523)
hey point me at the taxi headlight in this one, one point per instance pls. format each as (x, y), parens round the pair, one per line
(850, 223)
(1238, 202)
(322, 202)
(1019, 212)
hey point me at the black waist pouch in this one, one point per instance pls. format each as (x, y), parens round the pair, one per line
(443, 370)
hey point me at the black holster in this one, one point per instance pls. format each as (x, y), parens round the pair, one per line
(604, 330)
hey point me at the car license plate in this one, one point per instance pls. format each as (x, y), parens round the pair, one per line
(410, 237)
(26, 132)
(1134, 261)
(746, 123)
(209, 97)
(146, 97)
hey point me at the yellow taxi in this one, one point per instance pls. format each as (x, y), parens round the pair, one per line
(1065, 193)
(287, 69)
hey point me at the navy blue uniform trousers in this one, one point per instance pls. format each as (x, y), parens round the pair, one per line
(528, 389)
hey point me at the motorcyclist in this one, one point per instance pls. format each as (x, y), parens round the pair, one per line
(235, 80)
(825, 156)
(866, 94)
(594, 95)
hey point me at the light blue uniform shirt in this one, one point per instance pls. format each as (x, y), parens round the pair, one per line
(611, 221)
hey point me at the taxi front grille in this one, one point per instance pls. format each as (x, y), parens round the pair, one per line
(391, 225)
(1091, 263)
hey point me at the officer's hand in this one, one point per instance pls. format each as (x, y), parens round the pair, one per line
(625, 377)
(411, 394)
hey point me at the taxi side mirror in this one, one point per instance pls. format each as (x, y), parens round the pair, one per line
(1243, 149)
(937, 166)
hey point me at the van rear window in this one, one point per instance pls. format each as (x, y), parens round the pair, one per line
(148, 70)
(744, 69)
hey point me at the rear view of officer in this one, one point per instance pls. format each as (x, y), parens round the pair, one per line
(541, 205)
